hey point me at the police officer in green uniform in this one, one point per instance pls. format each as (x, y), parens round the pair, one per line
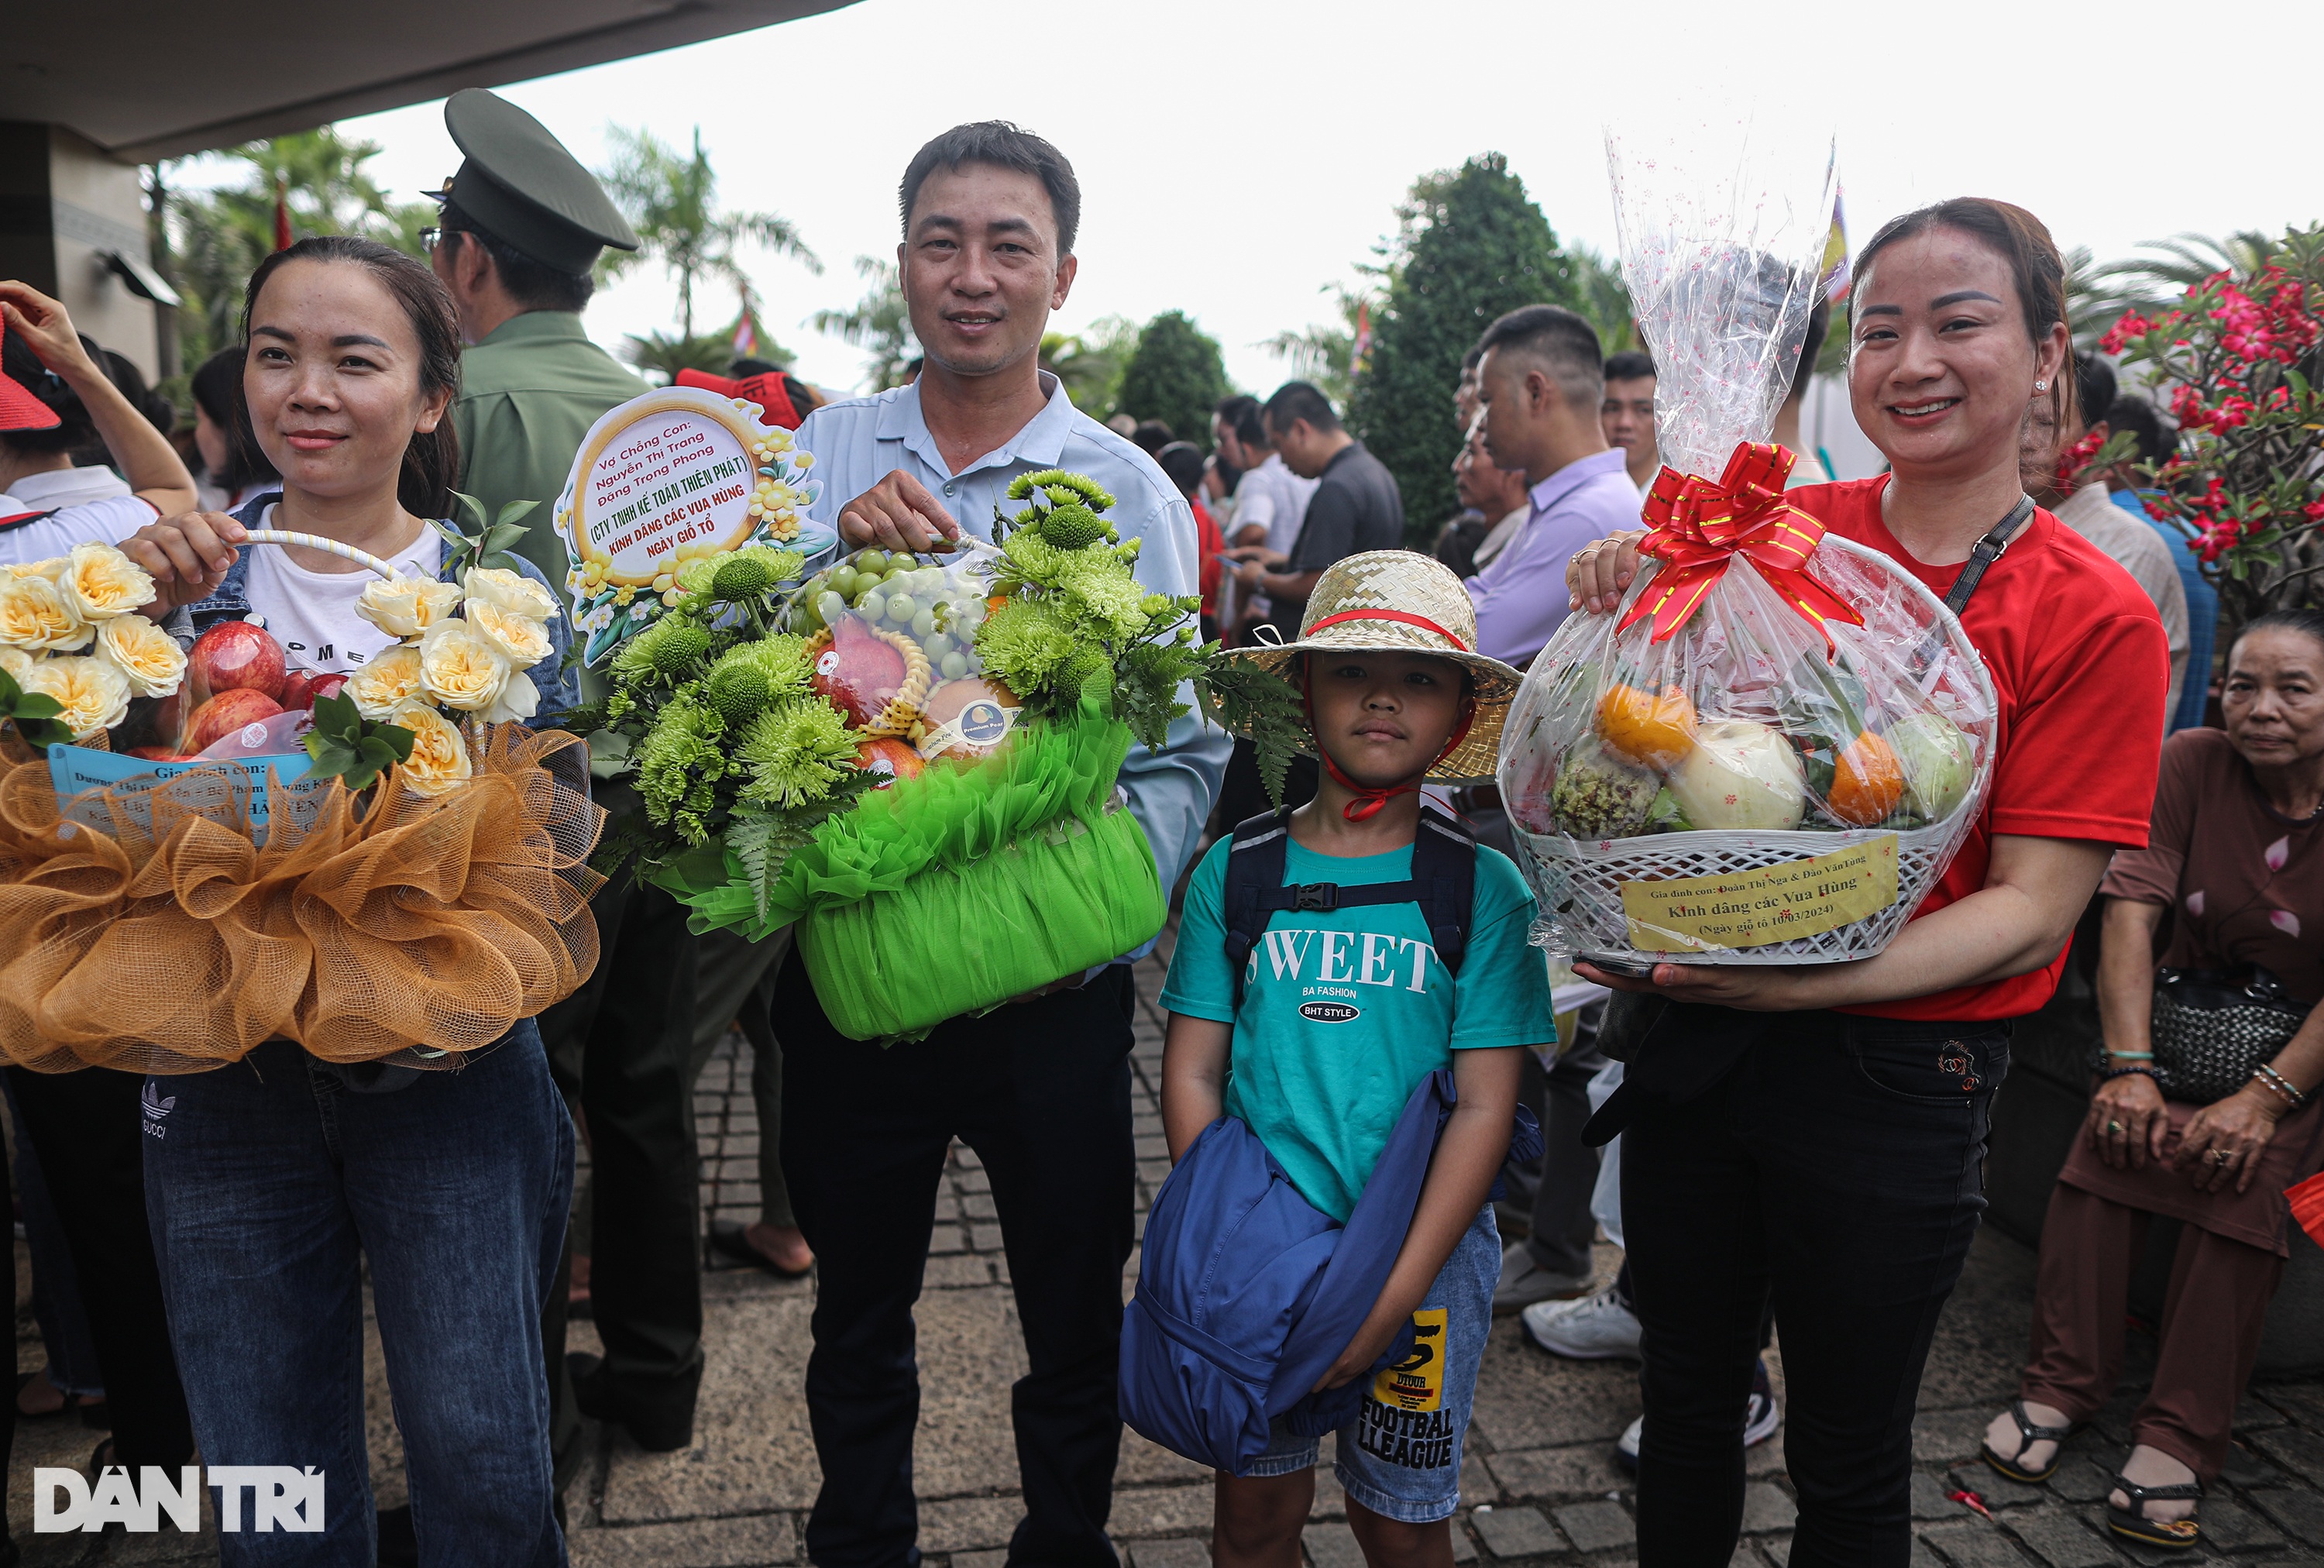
(522, 225)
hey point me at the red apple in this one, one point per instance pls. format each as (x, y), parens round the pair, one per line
(300, 687)
(236, 656)
(225, 714)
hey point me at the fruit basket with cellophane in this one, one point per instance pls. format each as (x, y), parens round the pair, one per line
(1774, 747)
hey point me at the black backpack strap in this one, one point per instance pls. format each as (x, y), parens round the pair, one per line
(1445, 865)
(1254, 871)
(1987, 551)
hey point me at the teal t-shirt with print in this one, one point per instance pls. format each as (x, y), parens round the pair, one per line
(1322, 1089)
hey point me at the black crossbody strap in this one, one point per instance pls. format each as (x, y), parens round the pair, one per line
(1987, 551)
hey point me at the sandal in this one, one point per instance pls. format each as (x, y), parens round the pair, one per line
(2133, 1524)
(2028, 1434)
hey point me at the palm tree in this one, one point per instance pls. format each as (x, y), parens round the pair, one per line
(2098, 294)
(1089, 363)
(880, 323)
(1325, 355)
(671, 199)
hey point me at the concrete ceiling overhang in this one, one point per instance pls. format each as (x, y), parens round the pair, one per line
(159, 78)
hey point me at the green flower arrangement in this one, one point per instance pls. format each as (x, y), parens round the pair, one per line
(988, 699)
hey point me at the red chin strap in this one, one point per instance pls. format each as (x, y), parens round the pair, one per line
(1369, 801)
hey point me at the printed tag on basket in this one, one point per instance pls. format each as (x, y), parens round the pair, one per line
(1771, 904)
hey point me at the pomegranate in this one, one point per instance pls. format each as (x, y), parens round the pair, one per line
(223, 715)
(300, 687)
(859, 672)
(886, 755)
(236, 656)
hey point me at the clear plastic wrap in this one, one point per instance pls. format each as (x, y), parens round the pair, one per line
(1773, 749)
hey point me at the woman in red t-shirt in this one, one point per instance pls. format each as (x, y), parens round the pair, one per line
(1818, 1132)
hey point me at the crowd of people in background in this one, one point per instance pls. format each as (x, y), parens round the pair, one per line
(153, 1315)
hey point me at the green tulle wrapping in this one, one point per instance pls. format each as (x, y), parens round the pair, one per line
(951, 893)
(955, 817)
(947, 943)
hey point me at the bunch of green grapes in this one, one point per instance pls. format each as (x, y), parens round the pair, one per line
(896, 593)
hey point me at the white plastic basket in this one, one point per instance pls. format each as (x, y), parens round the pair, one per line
(1577, 883)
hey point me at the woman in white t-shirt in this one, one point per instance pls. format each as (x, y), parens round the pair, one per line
(275, 1178)
(58, 398)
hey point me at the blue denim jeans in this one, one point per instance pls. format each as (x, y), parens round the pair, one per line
(268, 1183)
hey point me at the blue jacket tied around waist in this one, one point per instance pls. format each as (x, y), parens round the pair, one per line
(1247, 1293)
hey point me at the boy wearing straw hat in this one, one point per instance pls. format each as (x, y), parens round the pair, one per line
(1344, 1004)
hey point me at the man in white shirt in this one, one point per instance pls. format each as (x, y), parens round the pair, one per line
(1039, 1088)
(1270, 500)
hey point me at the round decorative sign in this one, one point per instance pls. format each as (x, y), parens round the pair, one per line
(671, 477)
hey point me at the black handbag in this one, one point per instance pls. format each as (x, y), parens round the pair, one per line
(2212, 1030)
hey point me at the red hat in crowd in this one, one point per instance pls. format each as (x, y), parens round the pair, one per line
(21, 411)
(767, 390)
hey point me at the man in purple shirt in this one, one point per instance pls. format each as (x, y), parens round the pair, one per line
(1541, 379)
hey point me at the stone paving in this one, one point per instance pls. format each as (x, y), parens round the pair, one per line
(1540, 1487)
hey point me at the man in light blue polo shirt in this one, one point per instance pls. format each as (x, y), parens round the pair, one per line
(1039, 1088)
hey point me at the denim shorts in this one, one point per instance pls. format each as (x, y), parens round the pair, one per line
(1400, 1457)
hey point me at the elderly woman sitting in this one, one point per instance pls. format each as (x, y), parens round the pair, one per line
(2234, 874)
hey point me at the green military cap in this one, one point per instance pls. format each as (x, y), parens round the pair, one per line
(523, 188)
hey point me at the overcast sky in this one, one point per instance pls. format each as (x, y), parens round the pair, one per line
(1238, 156)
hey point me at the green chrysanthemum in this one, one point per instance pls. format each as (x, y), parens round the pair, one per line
(738, 690)
(1070, 528)
(1087, 674)
(1106, 600)
(796, 752)
(670, 650)
(1031, 556)
(679, 763)
(742, 577)
(1025, 643)
(695, 575)
(781, 658)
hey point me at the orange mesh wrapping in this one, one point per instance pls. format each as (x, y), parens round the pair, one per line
(399, 928)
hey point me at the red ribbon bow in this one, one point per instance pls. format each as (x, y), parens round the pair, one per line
(1696, 527)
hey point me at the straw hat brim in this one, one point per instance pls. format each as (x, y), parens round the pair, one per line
(1475, 759)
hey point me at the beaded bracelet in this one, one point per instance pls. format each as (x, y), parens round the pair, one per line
(2132, 1055)
(2268, 1078)
(2126, 1072)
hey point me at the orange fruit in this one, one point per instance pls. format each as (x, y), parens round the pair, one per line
(1655, 731)
(1867, 781)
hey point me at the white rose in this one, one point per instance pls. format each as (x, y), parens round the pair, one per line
(460, 669)
(407, 606)
(524, 640)
(93, 693)
(99, 583)
(148, 656)
(35, 617)
(439, 758)
(513, 592)
(385, 683)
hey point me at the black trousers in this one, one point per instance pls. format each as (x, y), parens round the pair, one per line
(631, 1031)
(89, 1133)
(1041, 1092)
(1838, 1164)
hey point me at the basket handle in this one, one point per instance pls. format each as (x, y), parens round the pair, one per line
(316, 542)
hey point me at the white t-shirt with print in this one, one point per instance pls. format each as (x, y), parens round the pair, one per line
(313, 613)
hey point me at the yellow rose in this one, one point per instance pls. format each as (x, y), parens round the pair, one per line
(15, 661)
(523, 640)
(439, 757)
(460, 669)
(407, 606)
(53, 568)
(149, 657)
(34, 617)
(94, 695)
(513, 592)
(385, 683)
(100, 583)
